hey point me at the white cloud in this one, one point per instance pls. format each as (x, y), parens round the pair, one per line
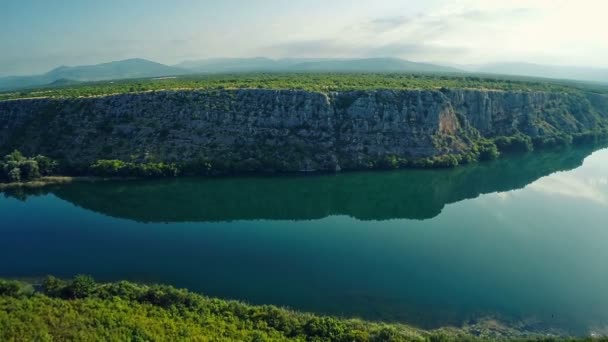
(474, 31)
(445, 31)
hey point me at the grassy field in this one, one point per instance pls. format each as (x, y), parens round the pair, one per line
(325, 82)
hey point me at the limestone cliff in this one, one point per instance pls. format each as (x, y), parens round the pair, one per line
(287, 130)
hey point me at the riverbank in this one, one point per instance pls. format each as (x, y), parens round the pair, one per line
(43, 181)
(116, 170)
(81, 309)
(386, 271)
(56, 180)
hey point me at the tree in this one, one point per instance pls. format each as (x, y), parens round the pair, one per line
(29, 169)
(47, 166)
(15, 156)
(81, 287)
(9, 288)
(53, 287)
(14, 175)
(14, 167)
(389, 162)
(107, 167)
(487, 150)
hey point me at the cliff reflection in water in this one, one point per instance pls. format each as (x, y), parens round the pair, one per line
(412, 194)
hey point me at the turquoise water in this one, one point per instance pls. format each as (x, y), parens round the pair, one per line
(523, 239)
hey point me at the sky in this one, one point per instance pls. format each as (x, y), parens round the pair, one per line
(38, 35)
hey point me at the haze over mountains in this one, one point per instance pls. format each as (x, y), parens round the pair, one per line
(142, 68)
(217, 65)
(546, 71)
(129, 68)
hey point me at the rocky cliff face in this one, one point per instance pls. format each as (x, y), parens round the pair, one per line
(288, 129)
(499, 113)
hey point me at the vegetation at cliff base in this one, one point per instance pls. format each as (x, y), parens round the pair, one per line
(14, 167)
(113, 168)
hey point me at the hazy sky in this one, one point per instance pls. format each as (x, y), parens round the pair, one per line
(37, 35)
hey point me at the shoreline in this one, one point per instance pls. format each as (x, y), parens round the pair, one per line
(62, 179)
(58, 180)
(42, 182)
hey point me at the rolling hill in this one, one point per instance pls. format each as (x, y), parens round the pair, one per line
(129, 68)
(220, 65)
(142, 68)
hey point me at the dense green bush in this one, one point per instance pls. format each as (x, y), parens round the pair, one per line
(560, 140)
(54, 287)
(81, 287)
(524, 143)
(389, 162)
(15, 289)
(15, 167)
(446, 160)
(486, 150)
(515, 143)
(46, 166)
(83, 310)
(118, 168)
(592, 137)
(9, 288)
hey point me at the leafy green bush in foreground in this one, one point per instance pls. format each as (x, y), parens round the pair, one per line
(82, 310)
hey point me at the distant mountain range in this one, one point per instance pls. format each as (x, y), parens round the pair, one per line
(217, 65)
(141, 68)
(545, 71)
(129, 68)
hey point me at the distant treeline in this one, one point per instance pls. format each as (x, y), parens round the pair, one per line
(319, 82)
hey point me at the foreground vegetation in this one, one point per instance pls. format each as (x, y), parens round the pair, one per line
(82, 310)
(321, 82)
